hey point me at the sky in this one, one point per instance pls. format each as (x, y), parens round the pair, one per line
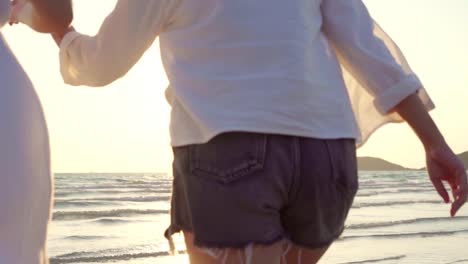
(123, 127)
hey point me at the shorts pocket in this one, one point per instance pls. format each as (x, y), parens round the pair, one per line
(342, 154)
(228, 157)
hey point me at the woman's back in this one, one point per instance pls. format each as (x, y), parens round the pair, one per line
(20, 109)
(25, 183)
(228, 54)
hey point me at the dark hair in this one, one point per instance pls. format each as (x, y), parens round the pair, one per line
(55, 14)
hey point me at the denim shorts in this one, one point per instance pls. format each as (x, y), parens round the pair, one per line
(243, 188)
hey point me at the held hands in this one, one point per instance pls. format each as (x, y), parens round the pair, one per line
(16, 6)
(444, 165)
(22, 11)
(45, 16)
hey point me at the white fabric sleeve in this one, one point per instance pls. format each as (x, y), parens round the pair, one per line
(123, 38)
(375, 70)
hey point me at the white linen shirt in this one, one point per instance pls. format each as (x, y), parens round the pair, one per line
(312, 68)
(5, 7)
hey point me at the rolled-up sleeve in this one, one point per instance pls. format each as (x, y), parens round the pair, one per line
(123, 38)
(368, 53)
(375, 71)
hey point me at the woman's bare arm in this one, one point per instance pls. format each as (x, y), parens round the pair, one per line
(442, 163)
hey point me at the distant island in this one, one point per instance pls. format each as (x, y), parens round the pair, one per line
(377, 164)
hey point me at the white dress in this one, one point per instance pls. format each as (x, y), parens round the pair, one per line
(25, 178)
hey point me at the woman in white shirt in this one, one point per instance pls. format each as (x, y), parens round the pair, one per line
(25, 177)
(26, 184)
(264, 120)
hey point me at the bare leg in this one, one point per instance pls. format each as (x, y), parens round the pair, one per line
(196, 255)
(255, 254)
(300, 255)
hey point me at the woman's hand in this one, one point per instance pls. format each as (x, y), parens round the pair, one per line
(15, 7)
(44, 16)
(444, 165)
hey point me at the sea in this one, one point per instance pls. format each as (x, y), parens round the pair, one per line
(397, 217)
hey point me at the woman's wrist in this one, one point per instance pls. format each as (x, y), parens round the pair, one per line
(412, 110)
(434, 147)
(58, 36)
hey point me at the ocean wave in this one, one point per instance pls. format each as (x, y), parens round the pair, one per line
(111, 175)
(405, 222)
(75, 215)
(376, 260)
(458, 261)
(404, 235)
(366, 194)
(86, 237)
(396, 186)
(78, 203)
(415, 190)
(110, 220)
(377, 204)
(117, 199)
(363, 192)
(88, 187)
(152, 181)
(79, 191)
(75, 258)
